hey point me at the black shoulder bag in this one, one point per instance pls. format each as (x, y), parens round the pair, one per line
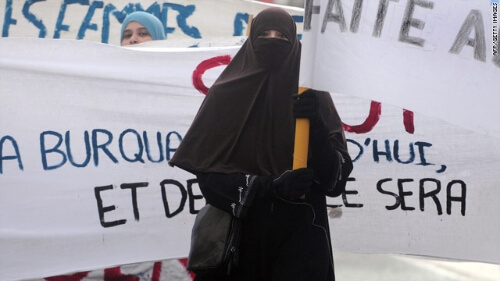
(214, 241)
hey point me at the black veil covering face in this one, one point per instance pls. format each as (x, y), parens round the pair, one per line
(245, 123)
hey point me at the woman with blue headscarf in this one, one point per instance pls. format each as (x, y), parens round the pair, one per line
(140, 27)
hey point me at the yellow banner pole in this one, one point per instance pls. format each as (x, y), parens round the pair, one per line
(301, 144)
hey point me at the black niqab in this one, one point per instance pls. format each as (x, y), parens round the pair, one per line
(245, 123)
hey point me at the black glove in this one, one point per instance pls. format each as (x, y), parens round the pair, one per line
(292, 184)
(306, 105)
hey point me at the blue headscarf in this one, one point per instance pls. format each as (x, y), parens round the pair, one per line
(150, 22)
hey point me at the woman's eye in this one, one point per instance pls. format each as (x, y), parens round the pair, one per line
(126, 35)
(282, 36)
(264, 34)
(144, 34)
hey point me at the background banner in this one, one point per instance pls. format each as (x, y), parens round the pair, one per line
(100, 20)
(439, 58)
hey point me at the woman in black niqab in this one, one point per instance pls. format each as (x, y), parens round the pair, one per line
(240, 147)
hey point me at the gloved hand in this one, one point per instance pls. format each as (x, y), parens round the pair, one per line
(306, 105)
(292, 184)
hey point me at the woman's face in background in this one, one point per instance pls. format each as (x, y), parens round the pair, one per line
(135, 33)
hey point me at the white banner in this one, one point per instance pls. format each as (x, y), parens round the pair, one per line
(86, 131)
(100, 20)
(438, 58)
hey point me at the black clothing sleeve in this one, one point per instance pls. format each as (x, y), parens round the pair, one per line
(330, 166)
(324, 159)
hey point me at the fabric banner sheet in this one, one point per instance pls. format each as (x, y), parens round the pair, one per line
(438, 58)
